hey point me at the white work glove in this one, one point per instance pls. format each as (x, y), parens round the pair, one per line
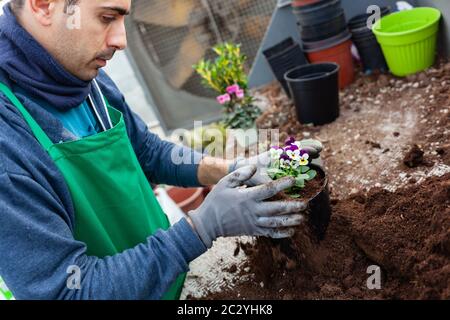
(232, 211)
(262, 161)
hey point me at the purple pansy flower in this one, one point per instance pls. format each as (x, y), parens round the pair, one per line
(292, 147)
(289, 141)
(303, 151)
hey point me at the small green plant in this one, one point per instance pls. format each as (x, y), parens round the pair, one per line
(226, 75)
(291, 160)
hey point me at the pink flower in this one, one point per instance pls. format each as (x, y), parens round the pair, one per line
(223, 98)
(240, 94)
(233, 89)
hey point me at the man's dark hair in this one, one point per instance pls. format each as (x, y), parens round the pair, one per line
(16, 5)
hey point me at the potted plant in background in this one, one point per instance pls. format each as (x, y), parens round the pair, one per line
(227, 77)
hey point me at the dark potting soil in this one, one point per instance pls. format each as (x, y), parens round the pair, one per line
(414, 157)
(312, 188)
(406, 233)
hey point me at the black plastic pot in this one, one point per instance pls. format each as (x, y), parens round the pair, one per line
(320, 207)
(362, 33)
(283, 57)
(318, 13)
(314, 46)
(324, 30)
(360, 21)
(371, 55)
(279, 47)
(365, 41)
(315, 91)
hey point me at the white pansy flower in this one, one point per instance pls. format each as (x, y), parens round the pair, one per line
(275, 153)
(285, 163)
(294, 155)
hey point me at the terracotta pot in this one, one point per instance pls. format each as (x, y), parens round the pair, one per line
(340, 54)
(187, 198)
(207, 190)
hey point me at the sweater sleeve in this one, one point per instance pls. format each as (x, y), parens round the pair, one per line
(38, 251)
(161, 161)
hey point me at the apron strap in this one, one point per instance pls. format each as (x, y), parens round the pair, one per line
(40, 135)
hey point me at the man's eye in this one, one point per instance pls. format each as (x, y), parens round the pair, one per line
(108, 19)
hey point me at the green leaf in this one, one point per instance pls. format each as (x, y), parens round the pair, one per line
(274, 171)
(300, 183)
(304, 169)
(302, 176)
(295, 196)
(276, 164)
(311, 174)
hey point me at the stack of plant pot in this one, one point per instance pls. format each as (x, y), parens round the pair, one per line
(369, 50)
(283, 57)
(325, 35)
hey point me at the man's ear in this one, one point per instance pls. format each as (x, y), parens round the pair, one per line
(43, 10)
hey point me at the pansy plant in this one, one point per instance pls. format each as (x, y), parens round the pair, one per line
(226, 75)
(291, 160)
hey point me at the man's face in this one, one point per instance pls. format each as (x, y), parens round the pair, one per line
(87, 36)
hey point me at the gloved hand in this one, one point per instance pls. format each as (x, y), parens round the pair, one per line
(232, 211)
(262, 162)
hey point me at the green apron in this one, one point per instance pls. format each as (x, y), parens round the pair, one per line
(115, 207)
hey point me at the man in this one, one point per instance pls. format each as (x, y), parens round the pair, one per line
(78, 219)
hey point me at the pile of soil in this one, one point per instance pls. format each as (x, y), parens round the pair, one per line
(414, 157)
(406, 233)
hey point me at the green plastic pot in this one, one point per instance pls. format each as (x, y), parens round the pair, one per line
(408, 39)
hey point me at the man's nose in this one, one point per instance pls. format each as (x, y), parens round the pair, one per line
(117, 37)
